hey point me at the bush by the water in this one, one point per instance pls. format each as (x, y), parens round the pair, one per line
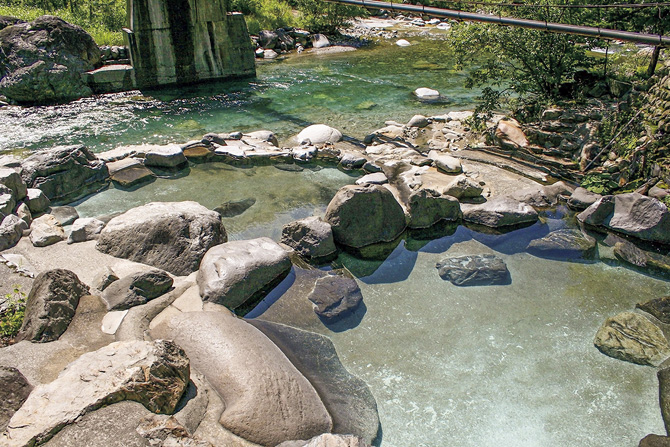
(12, 311)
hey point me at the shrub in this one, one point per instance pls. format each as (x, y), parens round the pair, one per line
(11, 316)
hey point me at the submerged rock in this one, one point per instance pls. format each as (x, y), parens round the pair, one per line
(658, 308)
(51, 305)
(655, 441)
(632, 338)
(237, 273)
(267, 400)
(627, 252)
(361, 215)
(235, 207)
(564, 243)
(475, 270)
(173, 236)
(154, 374)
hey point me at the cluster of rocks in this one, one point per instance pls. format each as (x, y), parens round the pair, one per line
(384, 25)
(114, 54)
(270, 44)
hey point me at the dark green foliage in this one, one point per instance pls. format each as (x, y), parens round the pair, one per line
(323, 17)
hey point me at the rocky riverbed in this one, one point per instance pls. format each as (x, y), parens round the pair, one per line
(106, 290)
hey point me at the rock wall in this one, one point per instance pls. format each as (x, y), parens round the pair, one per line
(187, 41)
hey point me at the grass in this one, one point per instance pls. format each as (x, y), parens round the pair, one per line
(100, 33)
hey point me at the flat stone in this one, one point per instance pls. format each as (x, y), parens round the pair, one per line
(564, 243)
(154, 374)
(112, 321)
(122, 152)
(499, 212)
(136, 289)
(237, 274)
(129, 172)
(267, 400)
(632, 338)
(311, 238)
(376, 178)
(168, 156)
(51, 305)
(197, 152)
(46, 230)
(475, 270)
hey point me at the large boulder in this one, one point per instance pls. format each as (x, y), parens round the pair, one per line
(267, 400)
(427, 207)
(138, 288)
(361, 215)
(51, 305)
(43, 61)
(173, 236)
(65, 173)
(475, 270)
(311, 238)
(154, 374)
(236, 274)
(639, 216)
(632, 338)
(499, 212)
(14, 390)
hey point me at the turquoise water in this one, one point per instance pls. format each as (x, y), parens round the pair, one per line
(353, 91)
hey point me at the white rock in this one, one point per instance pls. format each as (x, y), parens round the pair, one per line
(403, 43)
(112, 320)
(46, 230)
(426, 93)
(319, 133)
(320, 41)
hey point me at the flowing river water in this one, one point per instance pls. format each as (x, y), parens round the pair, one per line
(504, 366)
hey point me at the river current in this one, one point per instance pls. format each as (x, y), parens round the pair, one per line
(504, 366)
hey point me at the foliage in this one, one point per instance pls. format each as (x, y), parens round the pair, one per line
(489, 101)
(11, 317)
(322, 17)
(265, 14)
(103, 24)
(599, 183)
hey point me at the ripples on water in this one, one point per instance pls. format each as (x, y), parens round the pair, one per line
(353, 91)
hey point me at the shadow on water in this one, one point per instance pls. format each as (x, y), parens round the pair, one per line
(273, 296)
(348, 322)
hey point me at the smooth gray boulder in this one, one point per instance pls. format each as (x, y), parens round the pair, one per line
(44, 61)
(499, 212)
(335, 296)
(37, 201)
(136, 289)
(318, 134)
(418, 121)
(633, 214)
(12, 180)
(11, 230)
(426, 93)
(632, 338)
(582, 198)
(85, 229)
(236, 274)
(319, 41)
(361, 215)
(14, 390)
(475, 270)
(267, 400)
(173, 236)
(564, 243)
(347, 398)
(51, 305)
(154, 374)
(311, 238)
(65, 173)
(168, 156)
(46, 230)
(427, 207)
